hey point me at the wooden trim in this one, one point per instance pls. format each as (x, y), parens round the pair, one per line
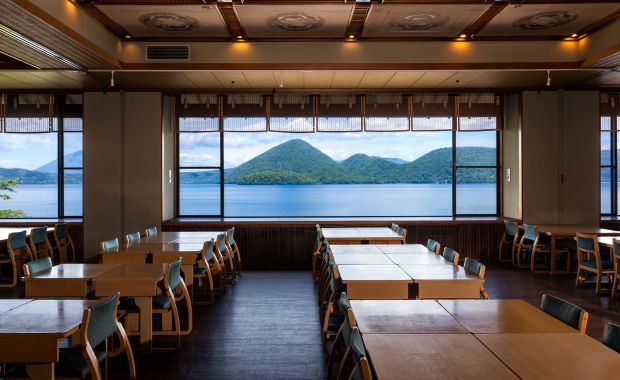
(484, 19)
(106, 21)
(592, 60)
(231, 19)
(455, 66)
(356, 23)
(67, 31)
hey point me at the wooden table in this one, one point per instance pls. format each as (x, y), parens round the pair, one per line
(356, 249)
(407, 249)
(64, 280)
(607, 241)
(30, 333)
(361, 258)
(419, 259)
(375, 281)
(433, 356)
(554, 356)
(10, 304)
(443, 281)
(404, 317)
(138, 281)
(196, 237)
(361, 235)
(559, 231)
(503, 316)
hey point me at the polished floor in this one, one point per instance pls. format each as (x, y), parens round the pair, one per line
(267, 327)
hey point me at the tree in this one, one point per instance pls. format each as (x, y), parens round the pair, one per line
(8, 186)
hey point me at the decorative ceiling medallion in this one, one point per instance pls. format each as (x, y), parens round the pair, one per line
(545, 20)
(295, 22)
(171, 22)
(419, 21)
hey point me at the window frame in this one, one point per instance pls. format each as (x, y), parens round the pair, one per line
(613, 163)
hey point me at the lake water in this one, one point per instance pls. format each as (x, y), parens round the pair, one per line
(290, 200)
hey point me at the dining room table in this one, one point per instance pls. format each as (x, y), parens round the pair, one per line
(375, 281)
(64, 280)
(362, 235)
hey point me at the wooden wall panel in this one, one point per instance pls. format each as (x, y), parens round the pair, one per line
(283, 245)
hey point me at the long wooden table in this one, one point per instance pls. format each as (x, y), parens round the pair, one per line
(443, 281)
(560, 231)
(30, 332)
(362, 235)
(192, 237)
(65, 280)
(375, 281)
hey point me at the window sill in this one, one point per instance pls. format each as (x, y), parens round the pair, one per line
(358, 221)
(34, 222)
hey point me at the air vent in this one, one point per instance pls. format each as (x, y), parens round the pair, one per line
(167, 52)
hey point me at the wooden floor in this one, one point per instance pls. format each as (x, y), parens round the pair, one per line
(267, 327)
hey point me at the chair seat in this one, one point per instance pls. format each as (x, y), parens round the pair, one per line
(200, 270)
(161, 302)
(129, 305)
(73, 364)
(606, 264)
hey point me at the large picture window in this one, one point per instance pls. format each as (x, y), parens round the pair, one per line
(344, 165)
(41, 158)
(610, 118)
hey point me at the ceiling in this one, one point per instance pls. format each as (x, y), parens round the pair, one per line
(210, 20)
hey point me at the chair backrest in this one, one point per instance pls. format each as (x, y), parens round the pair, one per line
(101, 320)
(207, 249)
(474, 268)
(529, 232)
(221, 244)
(348, 324)
(394, 227)
(451, 255)
(565, 311)
(151, 231)
(38, 235)
(611, 336)
(586, 243)
(511, 227)
(402, 232)
(39, 243)
(37, 266)
(361, 369)
(343, 302)
(109, 245)
(230, 237)
(616, 247)
(61, 230)
(17, 244)
(174, 275)
(132, 237)
(433, 246)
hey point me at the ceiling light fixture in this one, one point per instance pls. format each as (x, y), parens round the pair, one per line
(462, 35)
(112, 79)
(548, 78)
(574, 35)
(10, 33)
(351, 36)
(127, 36)
(239, 37)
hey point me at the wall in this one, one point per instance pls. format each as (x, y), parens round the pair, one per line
(168, 124)
(122, 165)
(512, 157)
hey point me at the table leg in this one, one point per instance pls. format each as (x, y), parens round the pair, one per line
(146, 323)
(41, 371)
(553, 254)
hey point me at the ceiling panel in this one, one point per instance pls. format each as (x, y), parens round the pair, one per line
(167, 20)
(461, 79)
(232, 79)
(202, 79)
(318, 79)
(295, 21)
(561, 20)
(289, 79)
(404, 79)
(347, 79)
(375, 79)
(432, 79)
(421, 20)
(260, 79)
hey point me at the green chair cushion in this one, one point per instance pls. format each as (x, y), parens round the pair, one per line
(605, 263)
(612, 338)
(73, 364)
(200, 270)
(161, 302)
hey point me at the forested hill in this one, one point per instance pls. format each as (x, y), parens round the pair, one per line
(297, 162)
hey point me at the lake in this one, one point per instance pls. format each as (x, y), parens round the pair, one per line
(290, 200)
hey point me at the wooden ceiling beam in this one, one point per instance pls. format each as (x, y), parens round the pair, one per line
(488, 15)
(106, 21)
(589, 29)
(231, 19)
(357, 20)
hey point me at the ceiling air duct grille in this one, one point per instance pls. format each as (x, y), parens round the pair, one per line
(167, 52)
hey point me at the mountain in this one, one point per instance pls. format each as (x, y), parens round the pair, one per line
(71, 160)
(297, 162)
(27, 177)
(395, 160)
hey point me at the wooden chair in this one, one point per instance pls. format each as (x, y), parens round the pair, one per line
(616, 259)
(151, 231)
(331, 290)
(534, 243)
(357, 352)
(202, 272)
(168, 302)
(394, 227)
(510, 239)
(39, 243)
(63, 242)
(133, 237)
(476, 268)
(565, 311)
(317, 252)
(402, 232)
(233, 248)
(18, 250)
(589, 261)
(37, 266)
(109, 245)
(98, 324)
(226, 257)
(611, 336)
(334, 311)
(433, 246)
(451, 255)
(342, 341)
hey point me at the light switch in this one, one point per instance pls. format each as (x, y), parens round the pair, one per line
(508, 175)
(169, 175)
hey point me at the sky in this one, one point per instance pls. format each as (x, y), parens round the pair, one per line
(33, 150)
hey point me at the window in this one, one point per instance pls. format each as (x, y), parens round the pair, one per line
(41, 136)
(363, 170)
(609, 153)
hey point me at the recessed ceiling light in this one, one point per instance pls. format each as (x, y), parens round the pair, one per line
(239, 37)
(462, 35)
(351, 36)
(127, 36)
